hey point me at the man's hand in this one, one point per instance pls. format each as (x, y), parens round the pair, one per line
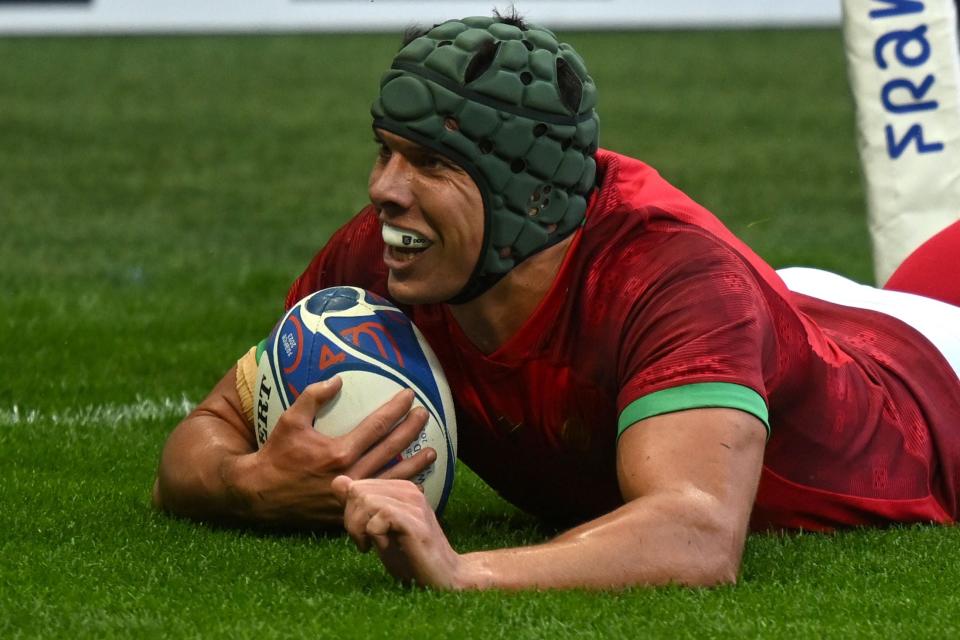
(289, 478)
(211, 469)
(394, 517)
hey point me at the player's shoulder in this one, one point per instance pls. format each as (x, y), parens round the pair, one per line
(628, 183)
(633, 195)
(641, 266)
(659, 267)
(637, 220)
(640, 223)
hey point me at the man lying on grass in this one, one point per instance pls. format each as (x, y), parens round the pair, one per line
(619, 359)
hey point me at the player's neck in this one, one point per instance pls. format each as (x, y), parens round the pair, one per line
(492, 318)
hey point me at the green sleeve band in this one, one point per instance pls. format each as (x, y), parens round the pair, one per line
(261, 348)
(701, 395)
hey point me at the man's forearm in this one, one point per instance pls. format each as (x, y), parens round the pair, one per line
(664, 539)
(206, 470)
(199, 468)
(685, 520)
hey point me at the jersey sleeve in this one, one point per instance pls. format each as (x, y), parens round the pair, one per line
(701, 335)
(353, 256)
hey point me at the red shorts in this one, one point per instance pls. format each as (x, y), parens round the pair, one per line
(933, 270)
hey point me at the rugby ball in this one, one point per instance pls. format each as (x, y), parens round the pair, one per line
(377, 351)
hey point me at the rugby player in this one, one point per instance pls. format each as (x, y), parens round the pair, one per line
(618, 358)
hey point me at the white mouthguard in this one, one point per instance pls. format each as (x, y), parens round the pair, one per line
(403, 239)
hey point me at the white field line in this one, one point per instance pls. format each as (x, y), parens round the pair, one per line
(104, 415)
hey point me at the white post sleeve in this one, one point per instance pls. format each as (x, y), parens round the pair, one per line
(903, 58)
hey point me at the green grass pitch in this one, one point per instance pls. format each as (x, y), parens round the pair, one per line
(158, 195)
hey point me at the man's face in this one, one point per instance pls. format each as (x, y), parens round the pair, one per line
(417, 190)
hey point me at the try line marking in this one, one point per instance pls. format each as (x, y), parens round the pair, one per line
(100, 415)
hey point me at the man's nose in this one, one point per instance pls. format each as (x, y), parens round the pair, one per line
(391, 184)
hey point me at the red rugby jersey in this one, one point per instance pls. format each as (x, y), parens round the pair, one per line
(656, 308)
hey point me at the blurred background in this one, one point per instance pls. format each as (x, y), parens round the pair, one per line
(158, 193)
(258, 16)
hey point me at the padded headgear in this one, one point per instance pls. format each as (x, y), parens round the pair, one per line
(515, 109)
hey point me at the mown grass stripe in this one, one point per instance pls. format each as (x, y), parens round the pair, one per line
(143, 409)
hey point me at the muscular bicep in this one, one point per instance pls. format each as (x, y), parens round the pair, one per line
(709, 456)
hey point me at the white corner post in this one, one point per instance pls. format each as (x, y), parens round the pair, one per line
(903, 59)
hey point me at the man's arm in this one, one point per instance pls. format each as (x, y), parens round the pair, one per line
(688, 478)
(211, 469)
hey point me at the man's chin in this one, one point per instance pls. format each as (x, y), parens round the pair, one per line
(409, 292)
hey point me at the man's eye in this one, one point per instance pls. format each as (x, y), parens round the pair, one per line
(433, 162)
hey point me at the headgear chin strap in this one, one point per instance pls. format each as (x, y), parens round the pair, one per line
(488, 95)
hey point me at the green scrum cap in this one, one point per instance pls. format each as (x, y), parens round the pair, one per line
(515, 109)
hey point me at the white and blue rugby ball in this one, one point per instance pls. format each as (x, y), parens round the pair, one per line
(377, 351)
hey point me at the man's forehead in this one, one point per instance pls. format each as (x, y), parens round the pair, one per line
(411, 149)
(395, 140)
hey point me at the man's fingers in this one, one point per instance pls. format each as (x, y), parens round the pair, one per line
(381, 453)
(366, 502)
(380, 524)
(387, 513)
(360, 540)
(355, 515)
(380, 423)
(406, 469)
(341, 488)
(304, 408)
